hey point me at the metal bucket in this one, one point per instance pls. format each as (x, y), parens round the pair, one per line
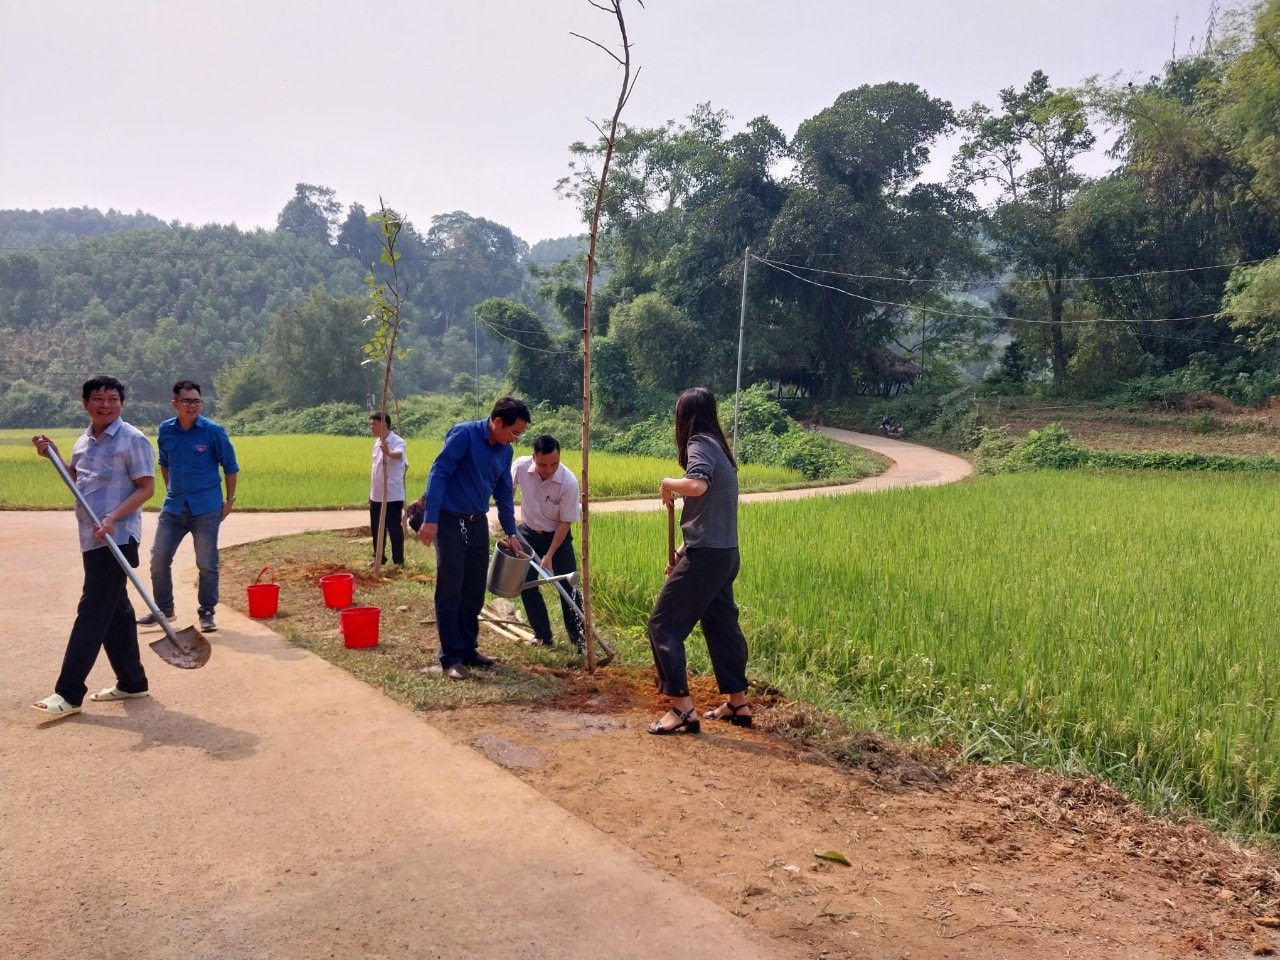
(507, 572)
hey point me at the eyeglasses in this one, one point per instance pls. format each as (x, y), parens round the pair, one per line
(192, 403)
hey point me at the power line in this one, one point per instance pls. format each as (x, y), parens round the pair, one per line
(984, 283)
(510, 334)
(971, 316)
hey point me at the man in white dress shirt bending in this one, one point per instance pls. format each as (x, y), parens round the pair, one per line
(548, 509)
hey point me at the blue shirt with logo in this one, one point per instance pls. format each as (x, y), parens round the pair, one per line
(467, 472)
(193, 458)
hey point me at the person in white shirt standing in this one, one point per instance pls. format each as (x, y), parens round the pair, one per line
(548, 509)
(386, 486)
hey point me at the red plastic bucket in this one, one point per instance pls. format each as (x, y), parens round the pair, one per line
(264, 598)
(360, 626)
(339, 589)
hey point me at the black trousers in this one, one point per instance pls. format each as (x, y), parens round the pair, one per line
(699, 590)
(534, 606)
(104, 621)
(462, 568)
(395, 529)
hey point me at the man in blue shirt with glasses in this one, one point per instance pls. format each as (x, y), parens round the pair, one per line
(473, 466)
(196, 458)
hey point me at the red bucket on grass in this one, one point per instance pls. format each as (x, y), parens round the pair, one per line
(264, 598)
(339, 589)
(360, 626)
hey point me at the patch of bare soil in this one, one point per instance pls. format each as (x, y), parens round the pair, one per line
(943, 860)
(1199, 424)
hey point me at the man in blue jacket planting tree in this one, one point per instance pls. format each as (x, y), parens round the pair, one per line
(473, 465)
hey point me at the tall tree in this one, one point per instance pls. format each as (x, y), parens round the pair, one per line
(541, 366)
(684, 201)
(317, 351)
(1028, 151)
(312, 214)
(1251, 114)
(1197, 189)
(856, 223)
(472, 259)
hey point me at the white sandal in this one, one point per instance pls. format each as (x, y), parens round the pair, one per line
(115, 693)
(55, 706)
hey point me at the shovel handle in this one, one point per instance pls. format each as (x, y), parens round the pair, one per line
(671, 534)
(56, 460)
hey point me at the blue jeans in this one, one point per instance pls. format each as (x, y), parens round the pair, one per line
(204, 534)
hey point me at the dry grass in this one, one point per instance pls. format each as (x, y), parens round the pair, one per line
(1202, 424)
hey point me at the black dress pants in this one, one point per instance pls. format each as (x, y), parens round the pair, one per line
(104, 621)
(395, 529)
(535, 607)
(462, 568)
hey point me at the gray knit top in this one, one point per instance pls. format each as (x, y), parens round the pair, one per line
(710, 520)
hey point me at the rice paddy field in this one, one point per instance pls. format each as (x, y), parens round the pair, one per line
(1119, 624)
(298, 472)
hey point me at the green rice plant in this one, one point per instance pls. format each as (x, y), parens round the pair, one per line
(1115, 623)
(28, 480)
(317, 472)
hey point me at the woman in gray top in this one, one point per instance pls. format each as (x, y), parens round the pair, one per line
(699, 586)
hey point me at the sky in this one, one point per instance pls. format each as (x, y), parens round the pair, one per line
(212, 110)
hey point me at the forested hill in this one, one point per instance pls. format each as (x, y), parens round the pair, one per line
(151, 306)
(259, 315)
(27, 229)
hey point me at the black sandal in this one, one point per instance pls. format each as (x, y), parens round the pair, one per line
(689, 723)
(733, 716)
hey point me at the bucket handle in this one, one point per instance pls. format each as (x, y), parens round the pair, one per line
(264, 570)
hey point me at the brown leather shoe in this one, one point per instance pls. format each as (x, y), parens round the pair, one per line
(480, 660)
(457, 672)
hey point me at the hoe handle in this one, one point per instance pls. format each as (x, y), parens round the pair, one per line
(671, 534)
(56, 459)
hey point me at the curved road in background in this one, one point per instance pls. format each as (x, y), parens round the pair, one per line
(912, 466)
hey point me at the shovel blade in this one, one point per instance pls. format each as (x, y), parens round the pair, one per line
(187, 649)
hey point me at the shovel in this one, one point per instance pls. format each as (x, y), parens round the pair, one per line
(187, 648)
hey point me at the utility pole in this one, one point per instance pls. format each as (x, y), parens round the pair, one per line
(742, 323)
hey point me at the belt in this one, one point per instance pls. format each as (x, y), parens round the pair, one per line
(471, 517)
(539, 532)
